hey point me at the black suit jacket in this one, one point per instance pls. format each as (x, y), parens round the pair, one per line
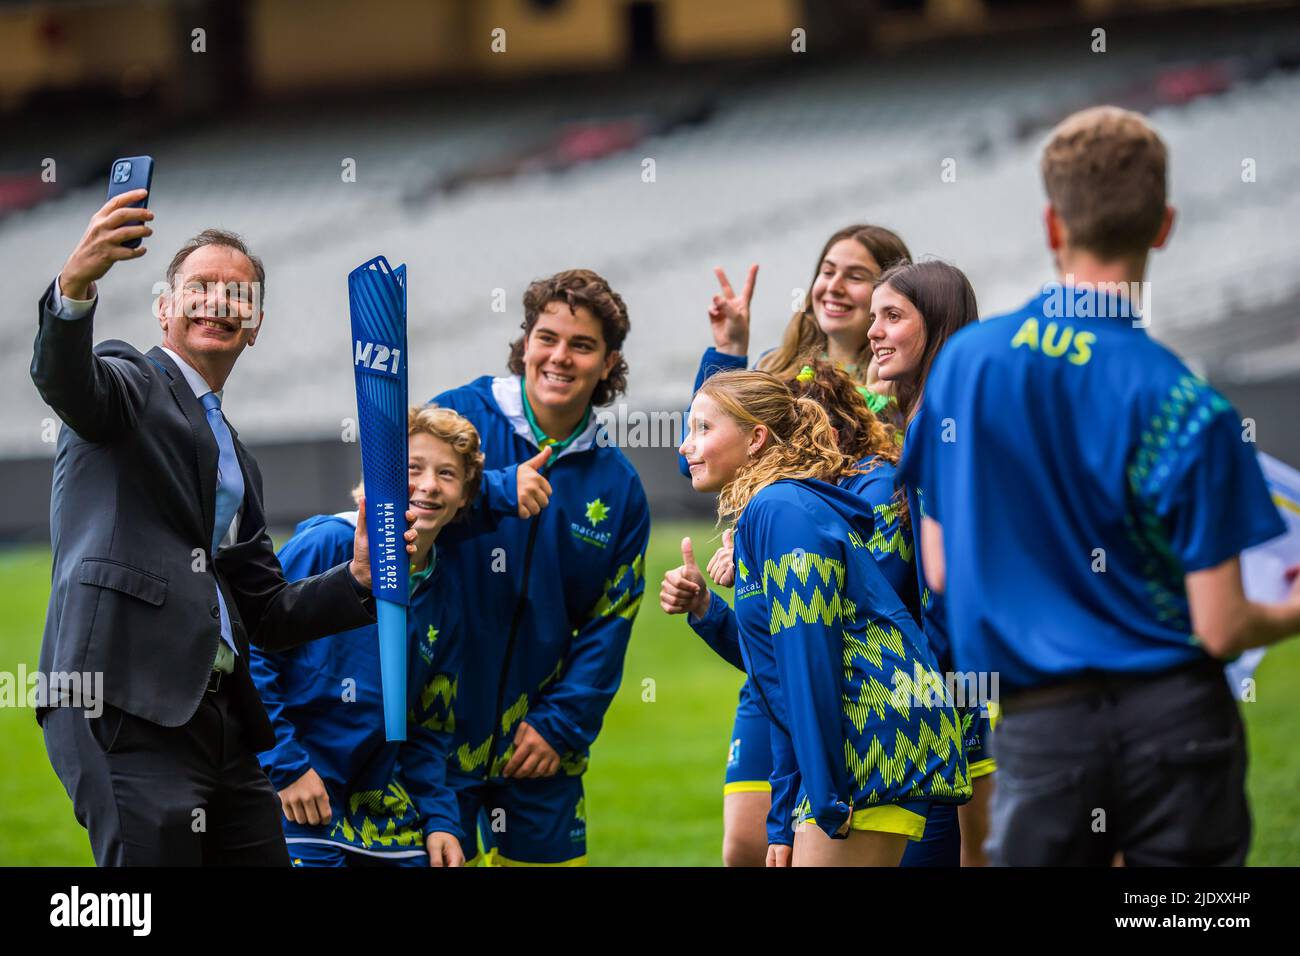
(131, 515)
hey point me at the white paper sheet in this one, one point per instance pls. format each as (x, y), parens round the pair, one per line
(1263, 568)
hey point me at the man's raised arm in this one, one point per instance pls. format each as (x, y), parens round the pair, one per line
(96, 397)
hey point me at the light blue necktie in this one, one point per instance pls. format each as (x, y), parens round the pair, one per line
(230, 492)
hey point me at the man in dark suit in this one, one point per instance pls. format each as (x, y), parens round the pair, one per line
(163, 568)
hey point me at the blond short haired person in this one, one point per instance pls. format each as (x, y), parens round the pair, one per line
(1094, 539)
(350, 797)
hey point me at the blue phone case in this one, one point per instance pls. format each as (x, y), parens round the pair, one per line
(127, 173)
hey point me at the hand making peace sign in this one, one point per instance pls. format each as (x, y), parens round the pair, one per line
(729, 314)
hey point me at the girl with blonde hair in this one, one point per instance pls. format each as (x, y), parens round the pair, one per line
(871, 443)
(864, 735)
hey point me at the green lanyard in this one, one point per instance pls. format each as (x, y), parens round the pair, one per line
(416, 578)
(539, 436)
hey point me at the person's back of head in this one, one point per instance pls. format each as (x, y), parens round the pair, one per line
(858, 432)
(1105, 171)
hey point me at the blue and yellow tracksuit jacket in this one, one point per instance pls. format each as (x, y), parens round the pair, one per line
(977, 721)
(552, 597)
(325, 701)
(860, 714)
(890, 543)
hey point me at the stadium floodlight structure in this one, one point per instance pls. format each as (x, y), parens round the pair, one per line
(377, 298)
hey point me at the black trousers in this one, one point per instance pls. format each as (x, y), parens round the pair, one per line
(149, 795)
(1152, 766)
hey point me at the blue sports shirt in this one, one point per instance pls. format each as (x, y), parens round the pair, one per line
(1079, 471)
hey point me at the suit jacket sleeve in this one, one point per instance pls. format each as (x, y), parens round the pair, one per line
(278, 614)
(99, 398)
(302, 556)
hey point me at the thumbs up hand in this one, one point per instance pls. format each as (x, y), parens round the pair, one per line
(533, 491)
(722, 566)
(684, 588)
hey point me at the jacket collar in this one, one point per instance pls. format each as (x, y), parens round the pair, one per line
(206, 452)
(507, 392)
(205, 446)
(192, 376)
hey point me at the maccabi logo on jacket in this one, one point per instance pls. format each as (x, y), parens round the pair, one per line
(426, 646)
(597, 512)
(747, 587)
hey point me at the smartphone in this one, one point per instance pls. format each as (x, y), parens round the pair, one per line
(126, 174)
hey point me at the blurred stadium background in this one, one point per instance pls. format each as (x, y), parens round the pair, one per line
(495, 141)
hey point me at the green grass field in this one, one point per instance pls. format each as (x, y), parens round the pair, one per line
(654, 790)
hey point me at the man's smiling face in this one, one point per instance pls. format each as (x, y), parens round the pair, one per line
(208, 312)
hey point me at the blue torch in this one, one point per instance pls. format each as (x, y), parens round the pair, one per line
(377, 296)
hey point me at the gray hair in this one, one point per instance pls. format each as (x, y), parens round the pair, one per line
(217, 237)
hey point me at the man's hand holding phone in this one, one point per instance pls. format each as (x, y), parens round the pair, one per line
(116, 222)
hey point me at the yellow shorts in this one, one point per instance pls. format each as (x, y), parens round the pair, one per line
(905, 819)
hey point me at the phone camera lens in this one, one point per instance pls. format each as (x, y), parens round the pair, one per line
(122, 172)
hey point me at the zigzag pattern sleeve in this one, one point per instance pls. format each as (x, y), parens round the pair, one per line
(803, 575)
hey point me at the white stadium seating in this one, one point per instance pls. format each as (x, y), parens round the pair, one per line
(783, 162)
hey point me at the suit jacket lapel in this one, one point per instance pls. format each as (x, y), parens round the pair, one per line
(205, 445)
(251, 518)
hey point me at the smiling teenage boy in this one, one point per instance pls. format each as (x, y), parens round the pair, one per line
(552, 590)
(349, 796)
(1095, 542)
